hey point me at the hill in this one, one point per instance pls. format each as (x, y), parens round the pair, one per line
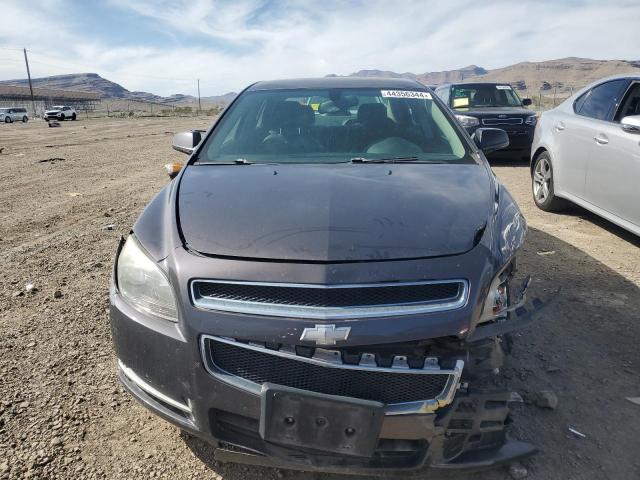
(564, 75)
(92, 82)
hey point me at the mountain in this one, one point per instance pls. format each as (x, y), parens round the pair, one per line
(565, 74)
(429, 78)
(562, 76)
(85, 82)
(92, 82)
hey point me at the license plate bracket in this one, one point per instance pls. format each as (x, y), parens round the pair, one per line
(315, 421)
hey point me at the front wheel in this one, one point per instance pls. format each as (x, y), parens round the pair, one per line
(542, 185)
(73, 117)
(7, 120)
(25, 119)
(62, 117)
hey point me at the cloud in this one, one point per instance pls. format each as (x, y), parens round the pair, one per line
(229, 44)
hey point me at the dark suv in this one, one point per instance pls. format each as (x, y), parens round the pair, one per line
(493, 105)
(327, 282)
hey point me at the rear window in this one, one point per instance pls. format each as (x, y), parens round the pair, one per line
(335, 125)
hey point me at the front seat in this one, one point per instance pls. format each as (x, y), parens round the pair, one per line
(289, 126)
(372, 125)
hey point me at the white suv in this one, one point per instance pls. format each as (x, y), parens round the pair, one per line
(14, 114)
(60, 112)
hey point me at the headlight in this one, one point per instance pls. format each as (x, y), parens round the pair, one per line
(497, 302)
(143, 284)
(467, 121)
(531, 120)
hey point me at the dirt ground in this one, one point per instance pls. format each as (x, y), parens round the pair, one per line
(68, 193)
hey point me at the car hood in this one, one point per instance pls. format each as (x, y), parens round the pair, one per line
(494, 111)
(53, 111)
(333, 213)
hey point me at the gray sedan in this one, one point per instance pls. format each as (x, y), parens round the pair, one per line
(587, 151)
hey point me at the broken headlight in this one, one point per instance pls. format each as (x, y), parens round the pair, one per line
(497, 302)
(504, 296)
(143, 284)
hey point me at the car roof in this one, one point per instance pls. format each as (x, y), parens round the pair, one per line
(338, 82)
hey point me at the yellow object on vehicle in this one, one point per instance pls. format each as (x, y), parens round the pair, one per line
(461, 102)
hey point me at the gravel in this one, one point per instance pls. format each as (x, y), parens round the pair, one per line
(64, 416)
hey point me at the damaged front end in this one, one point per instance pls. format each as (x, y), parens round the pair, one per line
(429, 403)
(369, 367)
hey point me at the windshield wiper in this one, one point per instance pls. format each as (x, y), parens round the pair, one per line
(383, 160)
(237, 161)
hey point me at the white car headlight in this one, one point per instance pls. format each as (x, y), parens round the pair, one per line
(467, 121)
(143, 284)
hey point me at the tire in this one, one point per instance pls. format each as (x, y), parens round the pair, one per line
(25, 119)
(542, 185)
(73, 117)
(62, 117)
(8, 120)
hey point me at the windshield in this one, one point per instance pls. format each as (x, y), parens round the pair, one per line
(470, 96)
(334, 125)
(56, 107)
(4, 110)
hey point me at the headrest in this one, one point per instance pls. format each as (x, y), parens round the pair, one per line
(372, 113)
(291, 114)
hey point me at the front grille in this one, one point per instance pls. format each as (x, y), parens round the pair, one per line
(502, 121)
(329, 301)
(378, 384)
(330, 297)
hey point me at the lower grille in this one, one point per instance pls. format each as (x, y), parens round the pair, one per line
(502, 121)
(390, 386)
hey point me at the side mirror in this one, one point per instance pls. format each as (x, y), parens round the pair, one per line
(186, 142)
(631, 124)
(526, 102)
(490, 139)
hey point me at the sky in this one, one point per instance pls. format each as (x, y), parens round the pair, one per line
(163, 47)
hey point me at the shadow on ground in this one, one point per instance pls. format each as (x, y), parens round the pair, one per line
(585, 350)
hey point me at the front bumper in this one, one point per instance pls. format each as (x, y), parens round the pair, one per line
(162, 367)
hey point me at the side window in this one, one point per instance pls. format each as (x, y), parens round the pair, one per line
(600, 101)
(443, 93)
(630, 105)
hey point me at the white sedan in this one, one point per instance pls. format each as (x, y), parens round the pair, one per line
(587, 151)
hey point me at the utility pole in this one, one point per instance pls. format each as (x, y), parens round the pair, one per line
(26, 61)
(199, 106)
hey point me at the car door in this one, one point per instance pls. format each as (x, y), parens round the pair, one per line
(573, 134)
(613, 175)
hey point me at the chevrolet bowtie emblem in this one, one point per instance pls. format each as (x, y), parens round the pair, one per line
(325, 334)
